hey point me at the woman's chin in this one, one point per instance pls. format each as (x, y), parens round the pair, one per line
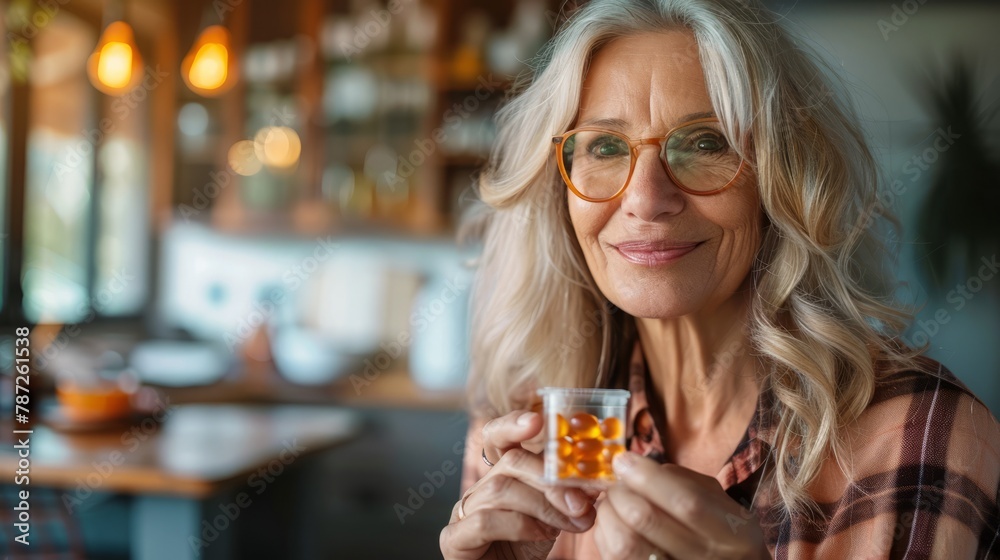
(664, 294)
(655, 304)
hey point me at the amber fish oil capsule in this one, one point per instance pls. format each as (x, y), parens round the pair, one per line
(585, 430)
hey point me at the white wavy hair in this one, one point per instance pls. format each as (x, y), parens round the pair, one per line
(820, 317)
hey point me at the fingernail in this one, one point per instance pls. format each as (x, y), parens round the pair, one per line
(581, 522)
(574, 502)
(526, 418)
(624, 462)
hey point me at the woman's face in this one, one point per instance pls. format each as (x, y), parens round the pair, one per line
(656, 251)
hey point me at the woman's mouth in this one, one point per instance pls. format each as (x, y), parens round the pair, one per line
(654, 253)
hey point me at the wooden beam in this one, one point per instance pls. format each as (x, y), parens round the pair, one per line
(163, 114)
(310, 86)
(227, 209)
(17, 150)
(16, 113)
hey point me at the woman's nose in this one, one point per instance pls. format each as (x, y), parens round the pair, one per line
(651, 194)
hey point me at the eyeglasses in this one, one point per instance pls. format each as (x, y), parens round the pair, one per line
(596, 163)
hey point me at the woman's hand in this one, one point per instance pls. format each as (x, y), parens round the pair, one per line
(672, 512)
(509, 512)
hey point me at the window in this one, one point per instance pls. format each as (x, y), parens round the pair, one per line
(85, 192)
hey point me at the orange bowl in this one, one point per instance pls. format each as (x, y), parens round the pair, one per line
(93, 404)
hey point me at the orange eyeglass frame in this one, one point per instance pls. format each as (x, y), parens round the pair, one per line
(634, 144)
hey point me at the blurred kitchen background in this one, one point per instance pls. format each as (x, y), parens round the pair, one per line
(230, 225)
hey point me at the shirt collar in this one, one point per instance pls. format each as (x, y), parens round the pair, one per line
(750, 453)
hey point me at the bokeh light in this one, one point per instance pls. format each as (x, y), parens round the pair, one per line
(209, 68)
(193, 119)
(114, 65)
(277, 146)
(242, 158)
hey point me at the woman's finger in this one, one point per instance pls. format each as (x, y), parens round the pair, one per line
(507, 493)
(655, 525)
(509, 431)
(692, 499)
(527, 467)
(472, 536)
(615, 539)
(697, 502)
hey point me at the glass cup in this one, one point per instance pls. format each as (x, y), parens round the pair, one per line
(584, 430)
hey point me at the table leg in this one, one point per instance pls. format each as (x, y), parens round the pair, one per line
(171, 528)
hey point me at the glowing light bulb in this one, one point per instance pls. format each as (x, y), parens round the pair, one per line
(208, 68)
(115, 66)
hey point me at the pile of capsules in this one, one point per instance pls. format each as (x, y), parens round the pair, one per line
(585, 446)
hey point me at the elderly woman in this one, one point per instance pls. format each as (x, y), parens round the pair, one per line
(679, 205)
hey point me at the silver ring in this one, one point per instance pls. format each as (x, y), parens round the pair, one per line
(485, 460)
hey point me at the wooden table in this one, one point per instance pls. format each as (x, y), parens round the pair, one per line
(177, 458)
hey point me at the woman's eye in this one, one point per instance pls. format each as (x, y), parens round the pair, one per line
(710, 143)
(608, 147)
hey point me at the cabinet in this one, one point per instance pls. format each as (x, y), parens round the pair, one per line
(391, 103)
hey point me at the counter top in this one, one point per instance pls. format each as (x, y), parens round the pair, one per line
(188, 450)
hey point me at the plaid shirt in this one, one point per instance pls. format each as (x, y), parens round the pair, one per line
(926, 460)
